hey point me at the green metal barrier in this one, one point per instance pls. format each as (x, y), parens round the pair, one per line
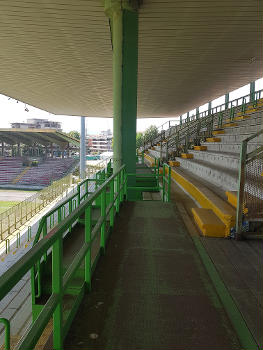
(149, 182)
(166, 183)
(52, 244)
(6, 324)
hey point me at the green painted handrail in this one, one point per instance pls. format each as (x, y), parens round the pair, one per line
(6, 324)
(53, 240)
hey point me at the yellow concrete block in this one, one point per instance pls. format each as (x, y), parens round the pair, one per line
(217, 132)
(213, 139)
(174, 163)
(187, 155)
(209, 224)
(242, 117)
(228, 125)
(232, 199)
(200, 148)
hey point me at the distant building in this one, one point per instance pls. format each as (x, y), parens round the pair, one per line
(100, 143)
(36, 123)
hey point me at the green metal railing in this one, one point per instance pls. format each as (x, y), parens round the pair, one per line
(6, 324)
(166, 183)
(250, 185)
(178, 138)
(53, 244)
(150, 182)
(18, 215)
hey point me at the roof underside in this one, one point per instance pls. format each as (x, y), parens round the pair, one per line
(40, 136)
(56, 54)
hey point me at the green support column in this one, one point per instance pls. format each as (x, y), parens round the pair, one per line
(252, 92)
(226, 100)
(197, 112)
(209, 107)
(124, 24)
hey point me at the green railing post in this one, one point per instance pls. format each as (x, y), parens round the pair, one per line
(78, 190)
(241, 184)
(88, 221)
(122, 189)
(103, 225)
(118, 193)
(111, 201)
(164, 183)
(57, 273)
(6, 324)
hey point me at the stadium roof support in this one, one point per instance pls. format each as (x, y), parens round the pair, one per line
(190, 52)
(41, 136)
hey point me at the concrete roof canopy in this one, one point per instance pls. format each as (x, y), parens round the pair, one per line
(41, 136)
(57, 55)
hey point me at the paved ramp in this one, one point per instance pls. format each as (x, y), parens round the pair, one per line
(151, 290)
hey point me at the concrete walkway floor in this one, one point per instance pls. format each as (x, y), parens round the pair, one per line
(151, 290)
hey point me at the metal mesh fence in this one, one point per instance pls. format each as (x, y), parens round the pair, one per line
(18, 215)
(253, 190)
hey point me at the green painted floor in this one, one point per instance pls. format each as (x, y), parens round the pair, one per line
(150, 290)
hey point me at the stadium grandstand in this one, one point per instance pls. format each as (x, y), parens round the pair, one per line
(161, 247)
(33, 158)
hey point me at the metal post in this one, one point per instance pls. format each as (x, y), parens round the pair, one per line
(188, 117)
(197, 113)
(252, 92)
(57, 273)
(241, 185)
(181, 119)
(226, 100)
(88, 219)
(209, 107)
(82, 163)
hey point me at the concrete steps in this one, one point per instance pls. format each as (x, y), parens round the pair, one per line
(218, 175)
(226, 159)
(233, 147)
(238, 138)
(207, 199)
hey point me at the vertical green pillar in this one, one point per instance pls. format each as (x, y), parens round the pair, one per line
(252, 91)
(124, 24)
(129, 90)
(117, 88)
(226, 100)
(197, 112)
(209, 107)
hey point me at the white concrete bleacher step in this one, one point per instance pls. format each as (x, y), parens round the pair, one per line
(228, 159)
(219, 175)
(233, 147)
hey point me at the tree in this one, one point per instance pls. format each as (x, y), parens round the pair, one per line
(75, 134)
(151, 132)
(139, 139)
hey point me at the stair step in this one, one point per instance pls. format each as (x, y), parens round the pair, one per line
(242, 117)
(218, 132)
(200, 148)
(174, 163)
(213, 139)
(187, 155)
(209, 224)
(228, 125)
(205, 197)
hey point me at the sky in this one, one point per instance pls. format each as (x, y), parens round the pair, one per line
(13, 111)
